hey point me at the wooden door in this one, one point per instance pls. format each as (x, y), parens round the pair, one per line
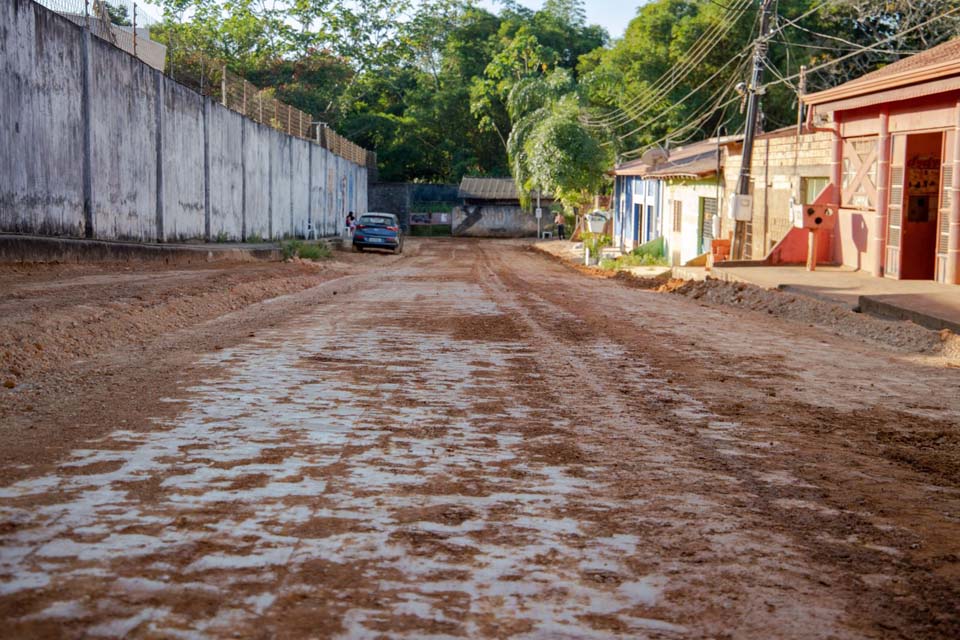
(946, 199)
(898, 174)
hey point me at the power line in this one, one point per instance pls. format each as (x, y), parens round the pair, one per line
(682, 100)
(870, 47)
(668, 80)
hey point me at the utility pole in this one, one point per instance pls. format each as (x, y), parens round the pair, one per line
(754, 91)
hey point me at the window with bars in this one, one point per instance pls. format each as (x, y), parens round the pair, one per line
(677, 216)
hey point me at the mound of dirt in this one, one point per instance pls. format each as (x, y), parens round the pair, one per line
(838, 319)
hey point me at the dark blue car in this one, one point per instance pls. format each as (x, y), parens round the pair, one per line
(378, 231)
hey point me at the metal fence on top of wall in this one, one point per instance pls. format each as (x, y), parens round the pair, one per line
(242, 96)
(126, 25)
(104, 145)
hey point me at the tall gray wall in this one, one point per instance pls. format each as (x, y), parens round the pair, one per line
(97, 144)
(41, 121)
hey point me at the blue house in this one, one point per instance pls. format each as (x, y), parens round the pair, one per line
(637, 205)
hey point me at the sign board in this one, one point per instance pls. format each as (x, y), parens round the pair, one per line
(539, 213)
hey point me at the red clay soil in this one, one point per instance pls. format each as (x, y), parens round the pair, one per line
(476, 441)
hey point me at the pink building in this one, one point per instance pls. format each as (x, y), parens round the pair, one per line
(895, 170)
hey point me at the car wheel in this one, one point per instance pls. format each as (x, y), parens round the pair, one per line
(399, 249)
(357, 248)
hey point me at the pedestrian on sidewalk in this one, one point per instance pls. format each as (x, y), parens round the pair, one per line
(561, 228)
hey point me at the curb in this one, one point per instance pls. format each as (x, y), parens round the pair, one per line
(20, 249)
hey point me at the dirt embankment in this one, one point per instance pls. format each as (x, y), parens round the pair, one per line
(54, 315)
(87, 348)
(835, 318)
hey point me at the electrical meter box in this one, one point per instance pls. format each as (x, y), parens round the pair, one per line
(741, 208)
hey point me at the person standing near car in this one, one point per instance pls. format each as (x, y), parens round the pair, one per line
(348, 226)
(561, 226)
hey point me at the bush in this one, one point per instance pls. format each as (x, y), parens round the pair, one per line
(320, 251)
(299, 249)
(256, 238)
(632, 260)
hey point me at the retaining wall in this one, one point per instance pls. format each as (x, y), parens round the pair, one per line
(99, 145)
(495, 221)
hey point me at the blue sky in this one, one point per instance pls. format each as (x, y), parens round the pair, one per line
(610, 14)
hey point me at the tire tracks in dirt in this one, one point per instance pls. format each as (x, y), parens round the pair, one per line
(800, 493)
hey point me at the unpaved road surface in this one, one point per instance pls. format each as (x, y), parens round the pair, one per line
(476, 441)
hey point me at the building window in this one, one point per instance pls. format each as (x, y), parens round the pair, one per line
(677, 216)
(810, 188)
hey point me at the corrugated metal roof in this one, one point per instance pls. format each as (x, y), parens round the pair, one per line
(698, 166)
(488, 189)
(691, 161)
(472, 188)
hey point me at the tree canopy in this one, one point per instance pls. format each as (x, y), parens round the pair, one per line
(444, 88)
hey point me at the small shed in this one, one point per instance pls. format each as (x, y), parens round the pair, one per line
(491, 208)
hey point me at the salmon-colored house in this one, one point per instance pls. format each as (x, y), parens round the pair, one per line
(895, 170)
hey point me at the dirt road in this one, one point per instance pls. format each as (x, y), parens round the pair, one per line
(476, 441)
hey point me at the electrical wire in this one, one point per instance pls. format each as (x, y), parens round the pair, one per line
(871, 47)
(682, 100)
(668, 80)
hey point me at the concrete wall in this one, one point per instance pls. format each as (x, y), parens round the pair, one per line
(123, 137)
(225, 174)
(495, 221)
(98, 144)
(181, 133)
(301, 184)
(41, 123)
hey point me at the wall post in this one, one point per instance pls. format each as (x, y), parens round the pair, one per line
(206, 167)
(953, 242)
(86, 118)
(878, 235)
(158, 122)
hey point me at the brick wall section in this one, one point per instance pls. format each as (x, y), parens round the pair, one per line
(780, 162)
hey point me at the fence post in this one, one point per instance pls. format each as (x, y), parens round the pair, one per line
(135, 30)
(223, 87)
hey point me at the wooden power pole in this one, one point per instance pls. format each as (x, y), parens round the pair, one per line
(754, 91)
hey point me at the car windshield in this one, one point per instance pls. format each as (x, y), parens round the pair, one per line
(385, 221)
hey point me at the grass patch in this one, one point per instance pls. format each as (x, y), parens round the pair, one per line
(635, 258)
(256, 238)
(305, 251)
